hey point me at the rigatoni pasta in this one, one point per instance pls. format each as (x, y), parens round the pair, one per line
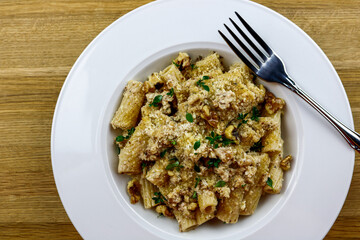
(127, 114)
(200, 142)
(129, 161)
(229, 208)
(207, 202)
(147, 191)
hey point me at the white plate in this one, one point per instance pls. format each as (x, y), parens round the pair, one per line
(144, 41)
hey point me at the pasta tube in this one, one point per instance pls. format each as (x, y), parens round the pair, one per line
(251, 200)
(185, 223)
(202, 218)
(127, 114)
(147, 191)
(276, 175)
(129, 161)
(229, 208)
(207, 202)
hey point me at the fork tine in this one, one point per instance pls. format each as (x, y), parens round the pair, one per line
(255, 35)
(251, 55)
(238, 53)
(263, 57)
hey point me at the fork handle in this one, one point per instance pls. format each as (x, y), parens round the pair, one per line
(352, 137)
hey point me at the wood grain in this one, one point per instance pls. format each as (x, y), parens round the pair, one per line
(40, 41)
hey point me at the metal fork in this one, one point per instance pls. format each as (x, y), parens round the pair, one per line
(269, 66)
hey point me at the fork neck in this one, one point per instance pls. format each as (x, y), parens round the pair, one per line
(289, 83)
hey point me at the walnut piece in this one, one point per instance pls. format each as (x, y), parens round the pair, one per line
(162, 209)
(133, 188)
(272, 103)
(285, 163)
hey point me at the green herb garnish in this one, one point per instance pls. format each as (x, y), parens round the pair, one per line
(220, 183)
(243, 185)
(156, 100)
(177, 65)
(171, 92)
(173, 159)
(242, 118)
(226, 141)
(205, 77)
(143, 165)
(193, 66)
(215, 140)
(196, 168)
(194, 195)
(175, 165)
(130, 132)
(255, 114)
(213, 162)
(162, 154)
(197, 179)
(269, 182)
(197, 144)
(257, 146)
(159, 198)
(202, 84)
(120, 138)
(173, 142)
(189, 117)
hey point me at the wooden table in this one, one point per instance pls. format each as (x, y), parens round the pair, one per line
(39, 43)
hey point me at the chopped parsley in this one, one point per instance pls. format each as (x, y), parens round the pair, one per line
(255, 114)
(269, 182)
(177, 65)
(202, 84)
(162, 154)
(122, 138)
(189, 117)
(220, 184)
(174, 165)
(213, 162)
(243, 185)
(159, 198)
(143, 165)
(215, 140)
(197, 179)
(171, 92)
(226, 141)
(257, 146)
(194, 195)
(130, 132)
(196, 168)
(173, 159)
(242, 117)
(156, 100)
(173, 142)
(193, 66)
(197, 144)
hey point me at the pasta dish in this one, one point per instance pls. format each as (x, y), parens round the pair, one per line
(200, 141)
